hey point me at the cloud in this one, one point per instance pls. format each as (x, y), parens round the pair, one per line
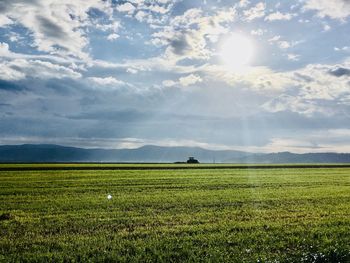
(112, 37)
(4, 50)
(18, 69)
(326, 27)
(125, 116)
(293, 57)
(8, 73)
(112, 26)
(290, 103)
(275, 38)
(187, 36)
(340, 72)
(278, 16)
(126, 7)
(255, 12)
(169, 83)
(316, 89)
(243, 3)
(260, 79)
(190, 80)
(158, 9)
(9, 86)
(330, 140)
(5, 20)
(335, 9)
(345, 48)
(140, 16)
(186, 81)
(56, 27)
(106, 81)
(155, 13)
(68, 66)
(283, 44)
(257, 32)
(311, 90)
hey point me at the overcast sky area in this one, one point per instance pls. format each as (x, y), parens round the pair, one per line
(123, 74)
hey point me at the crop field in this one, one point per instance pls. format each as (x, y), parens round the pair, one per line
(168, 215)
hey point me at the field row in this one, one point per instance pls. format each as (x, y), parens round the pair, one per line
(210, 215)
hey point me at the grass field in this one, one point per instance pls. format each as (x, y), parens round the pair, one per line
(209, 215)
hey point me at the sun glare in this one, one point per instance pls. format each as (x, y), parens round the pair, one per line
(236, 52)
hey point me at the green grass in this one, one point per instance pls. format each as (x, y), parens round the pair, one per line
(277, 215)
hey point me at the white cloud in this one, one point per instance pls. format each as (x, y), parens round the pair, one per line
(187, 35)
(132, 70)
(106, 81)
(330, 140)
(8, 73)
(275, 38)
(260, 79)
(278, 16)
(335, 9)
(291, 103)
(155, 12)
(283, 44)
(111, 26)
(15, 37)
(345, 48)
(158, 9)
(4, 50)
(326, 27)
(314, 89)
(186, 81)
(126, 7)
(304, 21)
(112, 37)
(4, 20)
(257, 32)
(18, 69)
(169, 83)
(157, 64)
(57, 27)
(317, 89)
(293, 57)
(255, 12)
(190, 80)
(7, 55)
(243, 3)
(140, 16)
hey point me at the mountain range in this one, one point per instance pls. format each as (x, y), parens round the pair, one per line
(156, 154)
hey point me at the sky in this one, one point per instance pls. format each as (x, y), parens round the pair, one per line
(258, 76)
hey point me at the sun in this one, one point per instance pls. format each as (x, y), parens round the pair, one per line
(237, 52)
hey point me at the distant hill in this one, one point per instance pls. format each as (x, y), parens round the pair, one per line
(56, 153)
(287, 157)
(157, 154)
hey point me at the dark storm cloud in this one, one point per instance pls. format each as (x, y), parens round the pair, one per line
(133, 115)
(10, 86)
(119, 116)
(339, 72)
(180, 45)
(64, 87)
(50, 28)
(303, 77)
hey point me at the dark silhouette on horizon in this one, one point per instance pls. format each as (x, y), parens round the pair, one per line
(192, 160)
